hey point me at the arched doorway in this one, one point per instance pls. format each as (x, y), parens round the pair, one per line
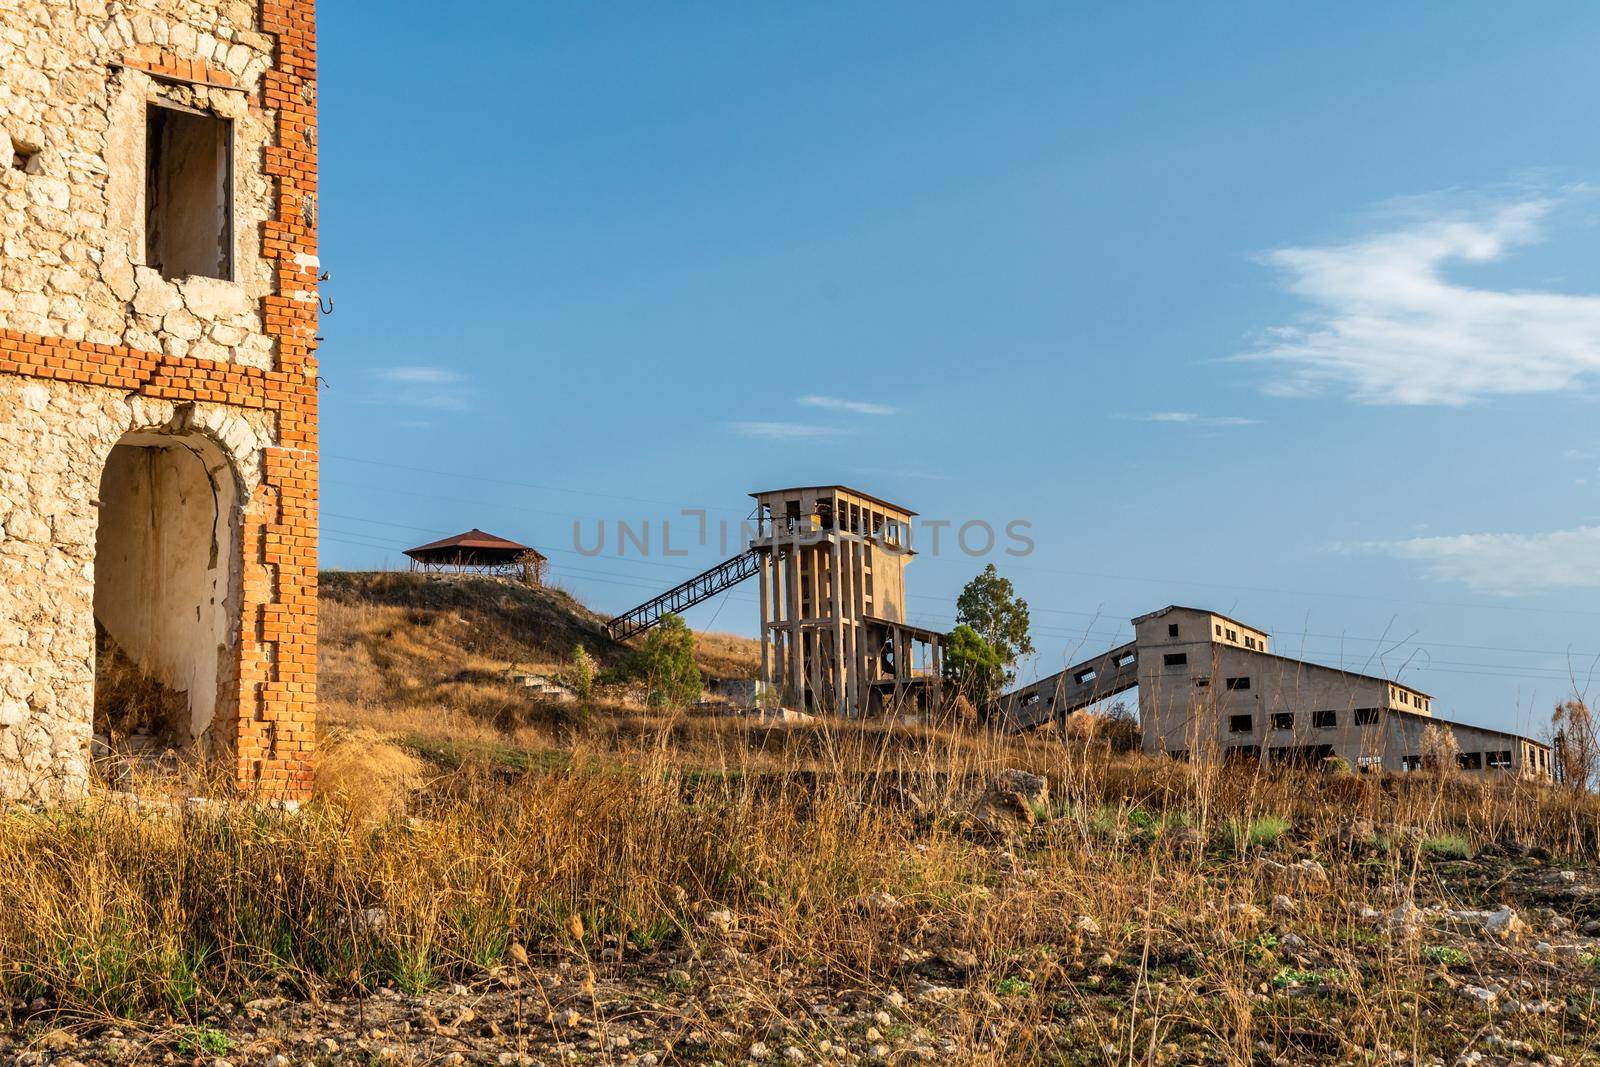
(166, 595)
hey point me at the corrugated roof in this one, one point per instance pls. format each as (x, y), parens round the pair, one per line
(1199, 611)
(842, 488)
(1436, 720)
(475, 539)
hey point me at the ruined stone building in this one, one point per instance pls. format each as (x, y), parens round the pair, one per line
(1209, 685)
(158, 313)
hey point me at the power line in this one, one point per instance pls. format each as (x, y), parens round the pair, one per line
(593, 576)
(1472, 605)
(633, 560)
(1116, 636)
(1275, 591)
(519, 485)
(1440, 666)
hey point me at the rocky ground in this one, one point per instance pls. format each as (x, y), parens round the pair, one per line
(1482, 960)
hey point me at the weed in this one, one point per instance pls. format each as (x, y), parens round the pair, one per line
(1259, 947)
(203, 1041)
(1262, 832)
(1291, 976)
(1445, 955)
(1448, 847)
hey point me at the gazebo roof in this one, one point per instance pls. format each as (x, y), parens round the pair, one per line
(473, 542)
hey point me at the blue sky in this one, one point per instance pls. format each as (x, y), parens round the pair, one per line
(1289, 312)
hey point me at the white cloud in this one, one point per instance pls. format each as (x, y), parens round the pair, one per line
(419, 375)
(1386, 325)
(433, 388)
(1505, 564)
(1194, 418)
(783, 431)
(852, 407)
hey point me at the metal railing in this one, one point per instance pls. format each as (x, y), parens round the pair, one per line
(702, 586)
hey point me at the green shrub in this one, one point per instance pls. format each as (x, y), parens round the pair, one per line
(666, 666)
(203, 1041)
(1448, 846)
(1263, 832)
(583, 673)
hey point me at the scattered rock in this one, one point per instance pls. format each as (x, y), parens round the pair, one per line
(1013, 796)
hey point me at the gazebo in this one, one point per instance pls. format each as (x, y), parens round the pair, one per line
(476, 552)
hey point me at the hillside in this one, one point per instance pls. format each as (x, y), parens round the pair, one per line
(401, 651)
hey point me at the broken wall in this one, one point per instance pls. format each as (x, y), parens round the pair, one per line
(167, 569)
(96, 344)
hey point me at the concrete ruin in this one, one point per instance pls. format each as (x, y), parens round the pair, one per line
(835, 635)
(1210, 687)
(158, 315)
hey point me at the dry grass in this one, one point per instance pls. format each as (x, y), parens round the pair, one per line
(727, 655)
(367, 774)
(1132, 922)
(110, 911)
(437, 659)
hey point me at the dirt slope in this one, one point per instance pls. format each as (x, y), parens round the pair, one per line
(399, 651)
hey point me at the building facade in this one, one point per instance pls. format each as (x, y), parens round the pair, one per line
(835, 635)
(1211, 686)
(158, 386)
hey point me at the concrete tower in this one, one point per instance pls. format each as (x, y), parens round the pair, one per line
(835, 634)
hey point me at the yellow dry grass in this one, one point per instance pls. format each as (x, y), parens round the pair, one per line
(1132, 923)
(366, 773)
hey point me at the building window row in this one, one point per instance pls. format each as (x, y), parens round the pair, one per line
(1410, 699)
(1498, 759)
(1325, 720)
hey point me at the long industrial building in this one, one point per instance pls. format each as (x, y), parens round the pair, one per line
(1211, 686)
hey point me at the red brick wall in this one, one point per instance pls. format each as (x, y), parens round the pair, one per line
(274, 734)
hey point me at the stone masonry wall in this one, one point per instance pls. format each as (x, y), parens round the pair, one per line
(95, 345)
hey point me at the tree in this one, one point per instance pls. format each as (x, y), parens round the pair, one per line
(665, 663)
(1577, 744)
(991, 608)
(972, 666)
